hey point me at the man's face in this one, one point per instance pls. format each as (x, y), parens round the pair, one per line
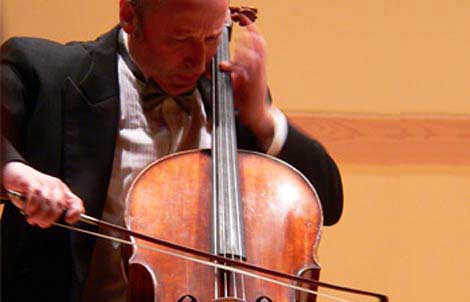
(175, 41)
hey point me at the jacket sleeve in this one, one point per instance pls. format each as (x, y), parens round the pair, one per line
(14, 97)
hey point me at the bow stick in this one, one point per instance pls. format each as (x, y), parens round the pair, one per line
(206, 258)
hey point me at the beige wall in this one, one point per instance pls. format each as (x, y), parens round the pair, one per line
(405, 227)
(359, 56)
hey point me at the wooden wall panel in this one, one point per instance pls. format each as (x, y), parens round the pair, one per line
(390, 140)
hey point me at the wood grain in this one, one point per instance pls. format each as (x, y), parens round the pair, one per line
(390, 140)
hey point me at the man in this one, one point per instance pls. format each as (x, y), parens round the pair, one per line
(76, 129)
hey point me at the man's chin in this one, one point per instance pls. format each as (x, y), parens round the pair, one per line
(177, 85)
(177, 89)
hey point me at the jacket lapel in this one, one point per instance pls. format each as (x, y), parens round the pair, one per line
(91, 114)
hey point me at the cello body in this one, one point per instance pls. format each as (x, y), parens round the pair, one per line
(171, 200)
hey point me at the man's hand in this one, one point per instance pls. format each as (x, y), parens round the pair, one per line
(248, 72)
(47, 197)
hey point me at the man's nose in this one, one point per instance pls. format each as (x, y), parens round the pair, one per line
(196, 58)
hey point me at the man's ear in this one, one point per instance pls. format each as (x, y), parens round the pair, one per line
(127, 16)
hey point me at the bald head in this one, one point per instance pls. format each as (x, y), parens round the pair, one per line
(149, 4)
(144, 4)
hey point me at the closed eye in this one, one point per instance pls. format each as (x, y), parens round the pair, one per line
(180, 39)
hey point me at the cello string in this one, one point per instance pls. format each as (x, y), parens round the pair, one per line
(203, 262)
(238, 217)
(237, 202)
(235, 194)
(227, 115)
(231, 186)
(215, 217)
(221, 197)
(227, 198)
(222, 186)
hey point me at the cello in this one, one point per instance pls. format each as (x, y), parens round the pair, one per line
(235, 206)
(196, 199)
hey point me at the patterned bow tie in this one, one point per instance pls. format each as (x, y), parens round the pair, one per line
(153, 95)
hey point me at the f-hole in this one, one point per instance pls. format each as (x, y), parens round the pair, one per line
(187, 298)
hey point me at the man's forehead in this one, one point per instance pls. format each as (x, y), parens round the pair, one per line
(184, 30)
(208, 26)
(192, 16)
(189, 3)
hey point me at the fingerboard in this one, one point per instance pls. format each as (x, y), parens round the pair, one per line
(227, 207)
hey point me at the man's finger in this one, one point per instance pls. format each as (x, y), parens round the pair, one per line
(244, 20)
(74, 208)
(73, 214)
(225, 66)
(238, 71)
(48, 213)
(33, 203)
(44, 224)
(233, 67)
(37, 213)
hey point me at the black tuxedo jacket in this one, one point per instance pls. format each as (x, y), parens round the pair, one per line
(60, 110)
